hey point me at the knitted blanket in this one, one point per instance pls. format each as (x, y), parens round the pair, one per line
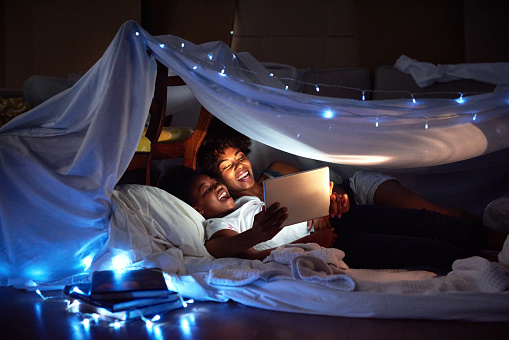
(324, 266)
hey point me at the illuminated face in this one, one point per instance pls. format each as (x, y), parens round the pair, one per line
(211, 198)
(235, 170)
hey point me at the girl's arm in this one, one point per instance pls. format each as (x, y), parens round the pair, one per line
(229, 243)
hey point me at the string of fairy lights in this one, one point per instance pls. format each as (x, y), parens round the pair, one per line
(120, 263)
(327, 112)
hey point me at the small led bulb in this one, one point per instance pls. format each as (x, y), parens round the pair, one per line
(460, 100)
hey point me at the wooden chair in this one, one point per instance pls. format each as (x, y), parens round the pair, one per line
(140, 167)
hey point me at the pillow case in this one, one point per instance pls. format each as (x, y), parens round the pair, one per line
(152, 228)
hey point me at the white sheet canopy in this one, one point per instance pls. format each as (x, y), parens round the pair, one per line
(60, 161)
(386, 134)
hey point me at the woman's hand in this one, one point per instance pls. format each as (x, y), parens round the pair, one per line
(319, 223)
(267, 223)
(339, 204)
(324, 237)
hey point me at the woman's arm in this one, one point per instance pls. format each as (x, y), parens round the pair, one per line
(284, 168)
(323, 237)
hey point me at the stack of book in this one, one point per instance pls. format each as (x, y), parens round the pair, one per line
(124, 295)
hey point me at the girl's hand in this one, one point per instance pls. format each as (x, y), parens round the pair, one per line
(267, 223)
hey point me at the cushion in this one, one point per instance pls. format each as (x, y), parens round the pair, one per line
(168, 135)
(153, 228)
(10, 108)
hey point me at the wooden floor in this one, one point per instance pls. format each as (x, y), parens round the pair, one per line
(25, 315)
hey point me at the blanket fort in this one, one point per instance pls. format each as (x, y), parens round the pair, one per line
(60, 161)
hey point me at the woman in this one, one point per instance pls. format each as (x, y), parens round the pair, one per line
(224, 155)
(393, 222)
(371, 236)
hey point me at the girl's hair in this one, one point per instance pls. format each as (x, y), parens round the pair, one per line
(178, 182)
(213, 146)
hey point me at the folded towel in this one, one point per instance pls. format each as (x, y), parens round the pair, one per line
(303, 262)
(312, 269)
(286, 253)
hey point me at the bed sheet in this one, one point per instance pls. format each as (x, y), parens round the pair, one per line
(475, 290)
(304, 297)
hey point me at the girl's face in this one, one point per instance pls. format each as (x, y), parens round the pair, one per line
(211, 198)
(235, 170)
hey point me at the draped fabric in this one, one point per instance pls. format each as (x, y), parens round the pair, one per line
(60, 161)
(386, 134)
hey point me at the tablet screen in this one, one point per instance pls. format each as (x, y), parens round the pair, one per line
(305, 194)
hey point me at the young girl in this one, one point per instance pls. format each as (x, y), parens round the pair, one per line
(241, 228)
(402, 237)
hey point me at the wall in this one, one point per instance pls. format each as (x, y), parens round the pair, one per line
(198, 21)
(370, 33)
(322, 35)
(58, 37)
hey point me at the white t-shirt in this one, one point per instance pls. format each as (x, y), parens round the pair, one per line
(242, 219)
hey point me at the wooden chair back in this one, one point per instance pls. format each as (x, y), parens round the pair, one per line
(140, 167)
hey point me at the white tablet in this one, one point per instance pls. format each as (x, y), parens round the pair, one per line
(305, 194)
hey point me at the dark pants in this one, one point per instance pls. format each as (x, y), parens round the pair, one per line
(387, 237)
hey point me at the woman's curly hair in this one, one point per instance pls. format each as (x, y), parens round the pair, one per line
(213, 146)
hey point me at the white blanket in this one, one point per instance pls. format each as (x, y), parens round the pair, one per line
(311, 263)
(307, 262)
(426, 74)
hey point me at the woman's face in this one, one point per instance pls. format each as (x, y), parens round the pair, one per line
(235, 170)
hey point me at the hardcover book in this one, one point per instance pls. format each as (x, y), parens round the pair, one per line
(146, 282)
(127, 314)
(124, 295)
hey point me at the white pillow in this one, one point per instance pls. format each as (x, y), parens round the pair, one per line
(154, 228)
